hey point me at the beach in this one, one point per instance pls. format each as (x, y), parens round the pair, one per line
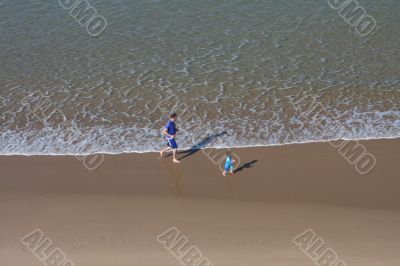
(114, 214)
(306, 95)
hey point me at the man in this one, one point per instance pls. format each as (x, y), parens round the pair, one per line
(170, 131)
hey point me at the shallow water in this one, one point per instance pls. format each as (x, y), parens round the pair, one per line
(243, 73)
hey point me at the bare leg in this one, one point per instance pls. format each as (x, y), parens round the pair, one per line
(174, 156)
(232, 168)
(164, 150)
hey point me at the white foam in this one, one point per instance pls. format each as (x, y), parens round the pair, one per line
(74, 140)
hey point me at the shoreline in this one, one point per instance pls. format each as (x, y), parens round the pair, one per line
(205, 148)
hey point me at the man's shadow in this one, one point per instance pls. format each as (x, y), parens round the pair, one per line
(246, 166)
(201, 144)
(198, 146)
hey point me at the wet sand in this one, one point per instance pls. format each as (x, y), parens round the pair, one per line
(113, 215)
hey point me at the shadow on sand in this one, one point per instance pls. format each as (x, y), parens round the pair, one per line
(246, 166)
(201, 144)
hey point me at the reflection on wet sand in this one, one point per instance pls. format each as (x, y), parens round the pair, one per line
(175, 174)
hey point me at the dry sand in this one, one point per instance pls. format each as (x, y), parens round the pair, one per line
(112, 216)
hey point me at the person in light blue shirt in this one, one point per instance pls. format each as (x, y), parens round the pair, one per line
(229, 163)
(170, 131)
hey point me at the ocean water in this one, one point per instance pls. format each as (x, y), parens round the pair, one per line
(239, 73)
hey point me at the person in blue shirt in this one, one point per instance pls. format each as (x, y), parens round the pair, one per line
(229, 163)
(170, 131)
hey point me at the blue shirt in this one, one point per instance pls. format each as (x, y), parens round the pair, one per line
(170, 127)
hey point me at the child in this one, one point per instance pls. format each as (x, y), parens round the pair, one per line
(228, 163)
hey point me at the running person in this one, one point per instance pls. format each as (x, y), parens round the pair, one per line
(170, 131)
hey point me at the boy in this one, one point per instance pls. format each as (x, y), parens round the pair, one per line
(229, 163)
(170, 131)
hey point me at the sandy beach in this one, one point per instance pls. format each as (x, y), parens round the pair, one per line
(90, 92)
(113, 215)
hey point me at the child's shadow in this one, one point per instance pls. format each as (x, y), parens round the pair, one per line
(246, 166)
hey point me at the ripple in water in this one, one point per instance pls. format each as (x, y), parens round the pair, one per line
(248, 70)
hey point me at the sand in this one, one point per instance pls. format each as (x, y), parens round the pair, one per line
(113, 215)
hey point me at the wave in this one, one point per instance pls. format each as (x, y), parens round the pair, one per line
(187, 148)
(74, 140)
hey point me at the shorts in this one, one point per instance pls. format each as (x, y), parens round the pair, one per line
(229, 167)
(172, 143)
